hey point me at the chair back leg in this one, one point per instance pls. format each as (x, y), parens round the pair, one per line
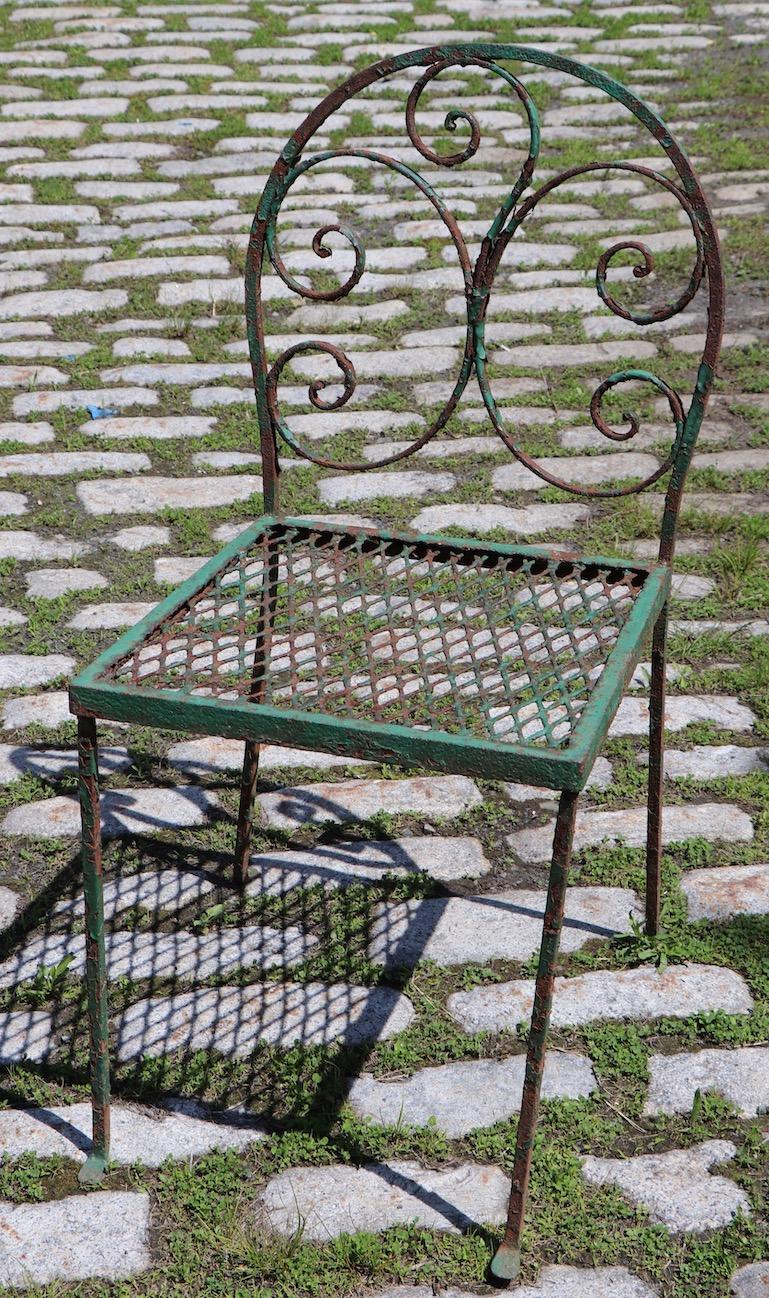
(246, 812)
(506, 1263)
(656, 772)
(262, 649)
(96, 964)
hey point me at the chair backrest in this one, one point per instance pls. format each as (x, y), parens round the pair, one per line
(478, 275)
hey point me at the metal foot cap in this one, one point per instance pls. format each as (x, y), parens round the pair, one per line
(93, 1169)
(506, 1262)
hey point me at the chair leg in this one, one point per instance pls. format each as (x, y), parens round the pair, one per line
(506, 1264)
(96, 965)
(246, 812)
(262, 645)
(656, 773)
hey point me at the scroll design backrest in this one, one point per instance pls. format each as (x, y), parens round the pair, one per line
(479, 276)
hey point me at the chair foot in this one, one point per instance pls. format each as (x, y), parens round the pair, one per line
(506, 1263)
(93, 1169)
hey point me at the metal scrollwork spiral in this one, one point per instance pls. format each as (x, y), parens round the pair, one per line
(321, 250)
(644, 267)
(453, 116)
(345, 364)
(479, 277)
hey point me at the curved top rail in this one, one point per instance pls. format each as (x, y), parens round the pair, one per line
(478, 276)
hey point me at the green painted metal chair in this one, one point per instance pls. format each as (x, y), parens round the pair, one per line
(504, 661)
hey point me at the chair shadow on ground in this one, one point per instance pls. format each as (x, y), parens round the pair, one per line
(288, 967)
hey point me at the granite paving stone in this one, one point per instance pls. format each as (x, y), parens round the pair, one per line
(461, 1097)
(21, 671)
(442, 796)
(180, 955)
(124, 811)
(109, 616)
(9, 904)
(498, 926)
(151, 890)
(751, 1281)
(234, 1020)
(481, 518)
(642, 993)
(47, 710)
(172, 372)
(60, 108)
(42, 213)
(704, 762)
(722, 892)
(177, 1129)
(149, 494)
(52, 763)
(54, 303)
(52, 464)
(32, 403)
(75, 1238)
(14, 132)
(143, 267)
(409, 483)
(677, 1189)
(27, 434)
(711, 821)
(338, 865)
(9, 617)
(12, 504)
(741, 1076)
(25, 1034)
(141, 537)
(209, 755)
(339, 1200)
(683, 710)
(165, 347)
(50, 583)
(17, 376)
(559, 1282)
(587, 470)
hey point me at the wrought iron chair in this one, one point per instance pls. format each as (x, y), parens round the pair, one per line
(506, 661)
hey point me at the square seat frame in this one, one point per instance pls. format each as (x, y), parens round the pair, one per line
(195, 689)
(106, 689)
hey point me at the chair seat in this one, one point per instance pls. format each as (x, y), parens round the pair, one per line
(465, 656)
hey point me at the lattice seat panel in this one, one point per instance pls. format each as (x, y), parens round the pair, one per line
(499, 645)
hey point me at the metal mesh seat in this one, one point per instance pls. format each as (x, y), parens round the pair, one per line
(496, 643)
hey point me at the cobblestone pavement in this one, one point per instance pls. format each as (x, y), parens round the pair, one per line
(339, 1052)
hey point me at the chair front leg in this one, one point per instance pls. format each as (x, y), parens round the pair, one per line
(506, 1264)
(656, 772)
(246, 812)
(96, 964)
(262, 648)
